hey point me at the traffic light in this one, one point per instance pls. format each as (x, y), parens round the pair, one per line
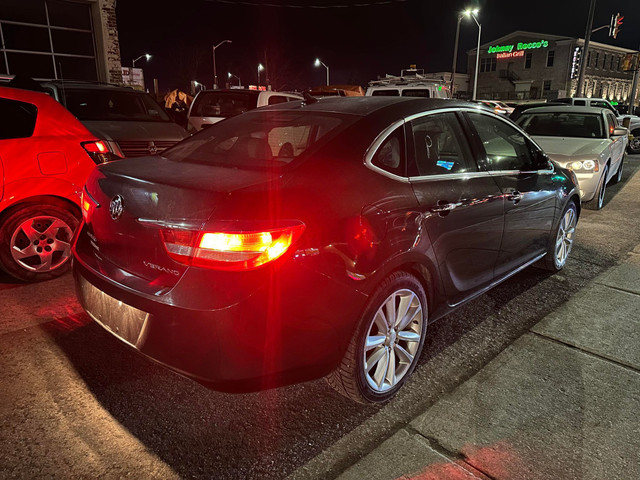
(616, 25)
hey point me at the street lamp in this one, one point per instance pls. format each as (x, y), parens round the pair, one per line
(146, 55)
(472, 14)
(229, 75)
(215, 72)
(260, 68)
(318, 63)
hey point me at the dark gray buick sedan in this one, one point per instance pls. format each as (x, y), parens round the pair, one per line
(317, 238)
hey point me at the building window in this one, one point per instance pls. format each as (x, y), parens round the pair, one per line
(589, 59)
(546, 86)
(596, 57)
(488, 64)
(604, 61)
(550, 55)
(527, 60)
(47, 39)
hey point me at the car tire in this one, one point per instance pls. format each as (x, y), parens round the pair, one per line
(364, 375)
(561, 243)
(598, 199)
(35, 241)
(634, 145)
(617, 178)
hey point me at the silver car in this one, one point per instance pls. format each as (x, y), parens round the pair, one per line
(587, 140)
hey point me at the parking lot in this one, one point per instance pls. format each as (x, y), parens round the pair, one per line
(75, 402)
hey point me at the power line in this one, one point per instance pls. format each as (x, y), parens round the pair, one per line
(290, 5)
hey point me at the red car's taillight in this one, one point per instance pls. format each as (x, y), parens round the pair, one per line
(231, 250)
(99, 151)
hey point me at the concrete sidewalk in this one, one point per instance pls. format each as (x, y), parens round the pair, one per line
(562, 402)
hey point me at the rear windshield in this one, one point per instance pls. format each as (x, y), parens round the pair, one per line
(416, 92)
(261, 140)
(385, 93)
(95, 104)
(582, 125)
(223, 104)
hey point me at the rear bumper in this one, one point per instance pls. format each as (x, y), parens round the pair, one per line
(294, 328)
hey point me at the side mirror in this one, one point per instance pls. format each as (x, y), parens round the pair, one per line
(620, 131)
(541, 161)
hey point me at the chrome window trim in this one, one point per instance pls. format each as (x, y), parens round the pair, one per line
(382, 136)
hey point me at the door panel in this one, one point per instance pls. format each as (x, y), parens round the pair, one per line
(461, 208)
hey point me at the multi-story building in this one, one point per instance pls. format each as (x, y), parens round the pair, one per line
(60, 39)
(527, 65)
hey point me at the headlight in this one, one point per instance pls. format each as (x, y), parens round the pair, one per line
(586, 165)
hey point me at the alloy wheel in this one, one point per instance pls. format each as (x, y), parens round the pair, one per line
(564, 239)
(41, 244)
(393, 339)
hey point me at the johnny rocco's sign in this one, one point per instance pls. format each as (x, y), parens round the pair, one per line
(517, 50)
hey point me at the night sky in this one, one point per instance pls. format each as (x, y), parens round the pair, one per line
(358, 43)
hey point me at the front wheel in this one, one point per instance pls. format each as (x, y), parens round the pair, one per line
(35, 242)
(561, 243)
(634, 145)
(387, 342)
(598, 199)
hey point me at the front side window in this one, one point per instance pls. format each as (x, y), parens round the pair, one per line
(506, 147)
(563, 124)
(223, 104)
(416, 92)
(390, 155)
(17, 119)
(440, 146)
(260, 140)
(612, 121)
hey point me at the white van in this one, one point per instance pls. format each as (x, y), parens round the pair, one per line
(410, 83)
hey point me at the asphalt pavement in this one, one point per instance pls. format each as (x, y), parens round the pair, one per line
(505, 381)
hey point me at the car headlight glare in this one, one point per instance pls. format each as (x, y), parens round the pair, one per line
(589, 165)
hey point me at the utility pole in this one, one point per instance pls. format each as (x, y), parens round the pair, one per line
(455, 55)
(585, 49)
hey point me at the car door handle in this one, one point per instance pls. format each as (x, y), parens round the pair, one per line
(443, 207)
(514, 196)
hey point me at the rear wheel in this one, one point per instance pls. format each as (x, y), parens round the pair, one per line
(598, 198)
(387, 343)
(561, 243)
(35, 242)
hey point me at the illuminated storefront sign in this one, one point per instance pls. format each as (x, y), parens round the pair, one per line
(519, 47)
(519, 53)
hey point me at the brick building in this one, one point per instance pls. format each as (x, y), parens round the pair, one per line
(69, 39)
(527, 65)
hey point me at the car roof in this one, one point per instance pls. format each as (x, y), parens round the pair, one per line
(402, 106)
(75, 85)
(566, 108)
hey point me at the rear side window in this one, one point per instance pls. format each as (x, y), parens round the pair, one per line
(223, 104)
(580, 103)
(17, 119)
(276, 99)
(416, 92)
(390, 155)
(260, 140)
(506, 147)
(440, 145)
(385, 93)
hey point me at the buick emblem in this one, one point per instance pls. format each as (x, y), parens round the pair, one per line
(116, 207)
(152, 148)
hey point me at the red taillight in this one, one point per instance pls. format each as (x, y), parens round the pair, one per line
(98, 151)
(241, 250)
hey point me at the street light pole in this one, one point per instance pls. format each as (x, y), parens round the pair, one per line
(148, 57)
(260, 68)
(318, 63)
(229, 75)
(455, 54)
(585, 50)
(475, 80)
(215, 72)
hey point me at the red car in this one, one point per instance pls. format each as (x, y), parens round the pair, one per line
(46, 155)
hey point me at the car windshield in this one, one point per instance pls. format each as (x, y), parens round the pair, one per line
(563, 124)
(223, 104)
(262, 140)
(107, 104)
